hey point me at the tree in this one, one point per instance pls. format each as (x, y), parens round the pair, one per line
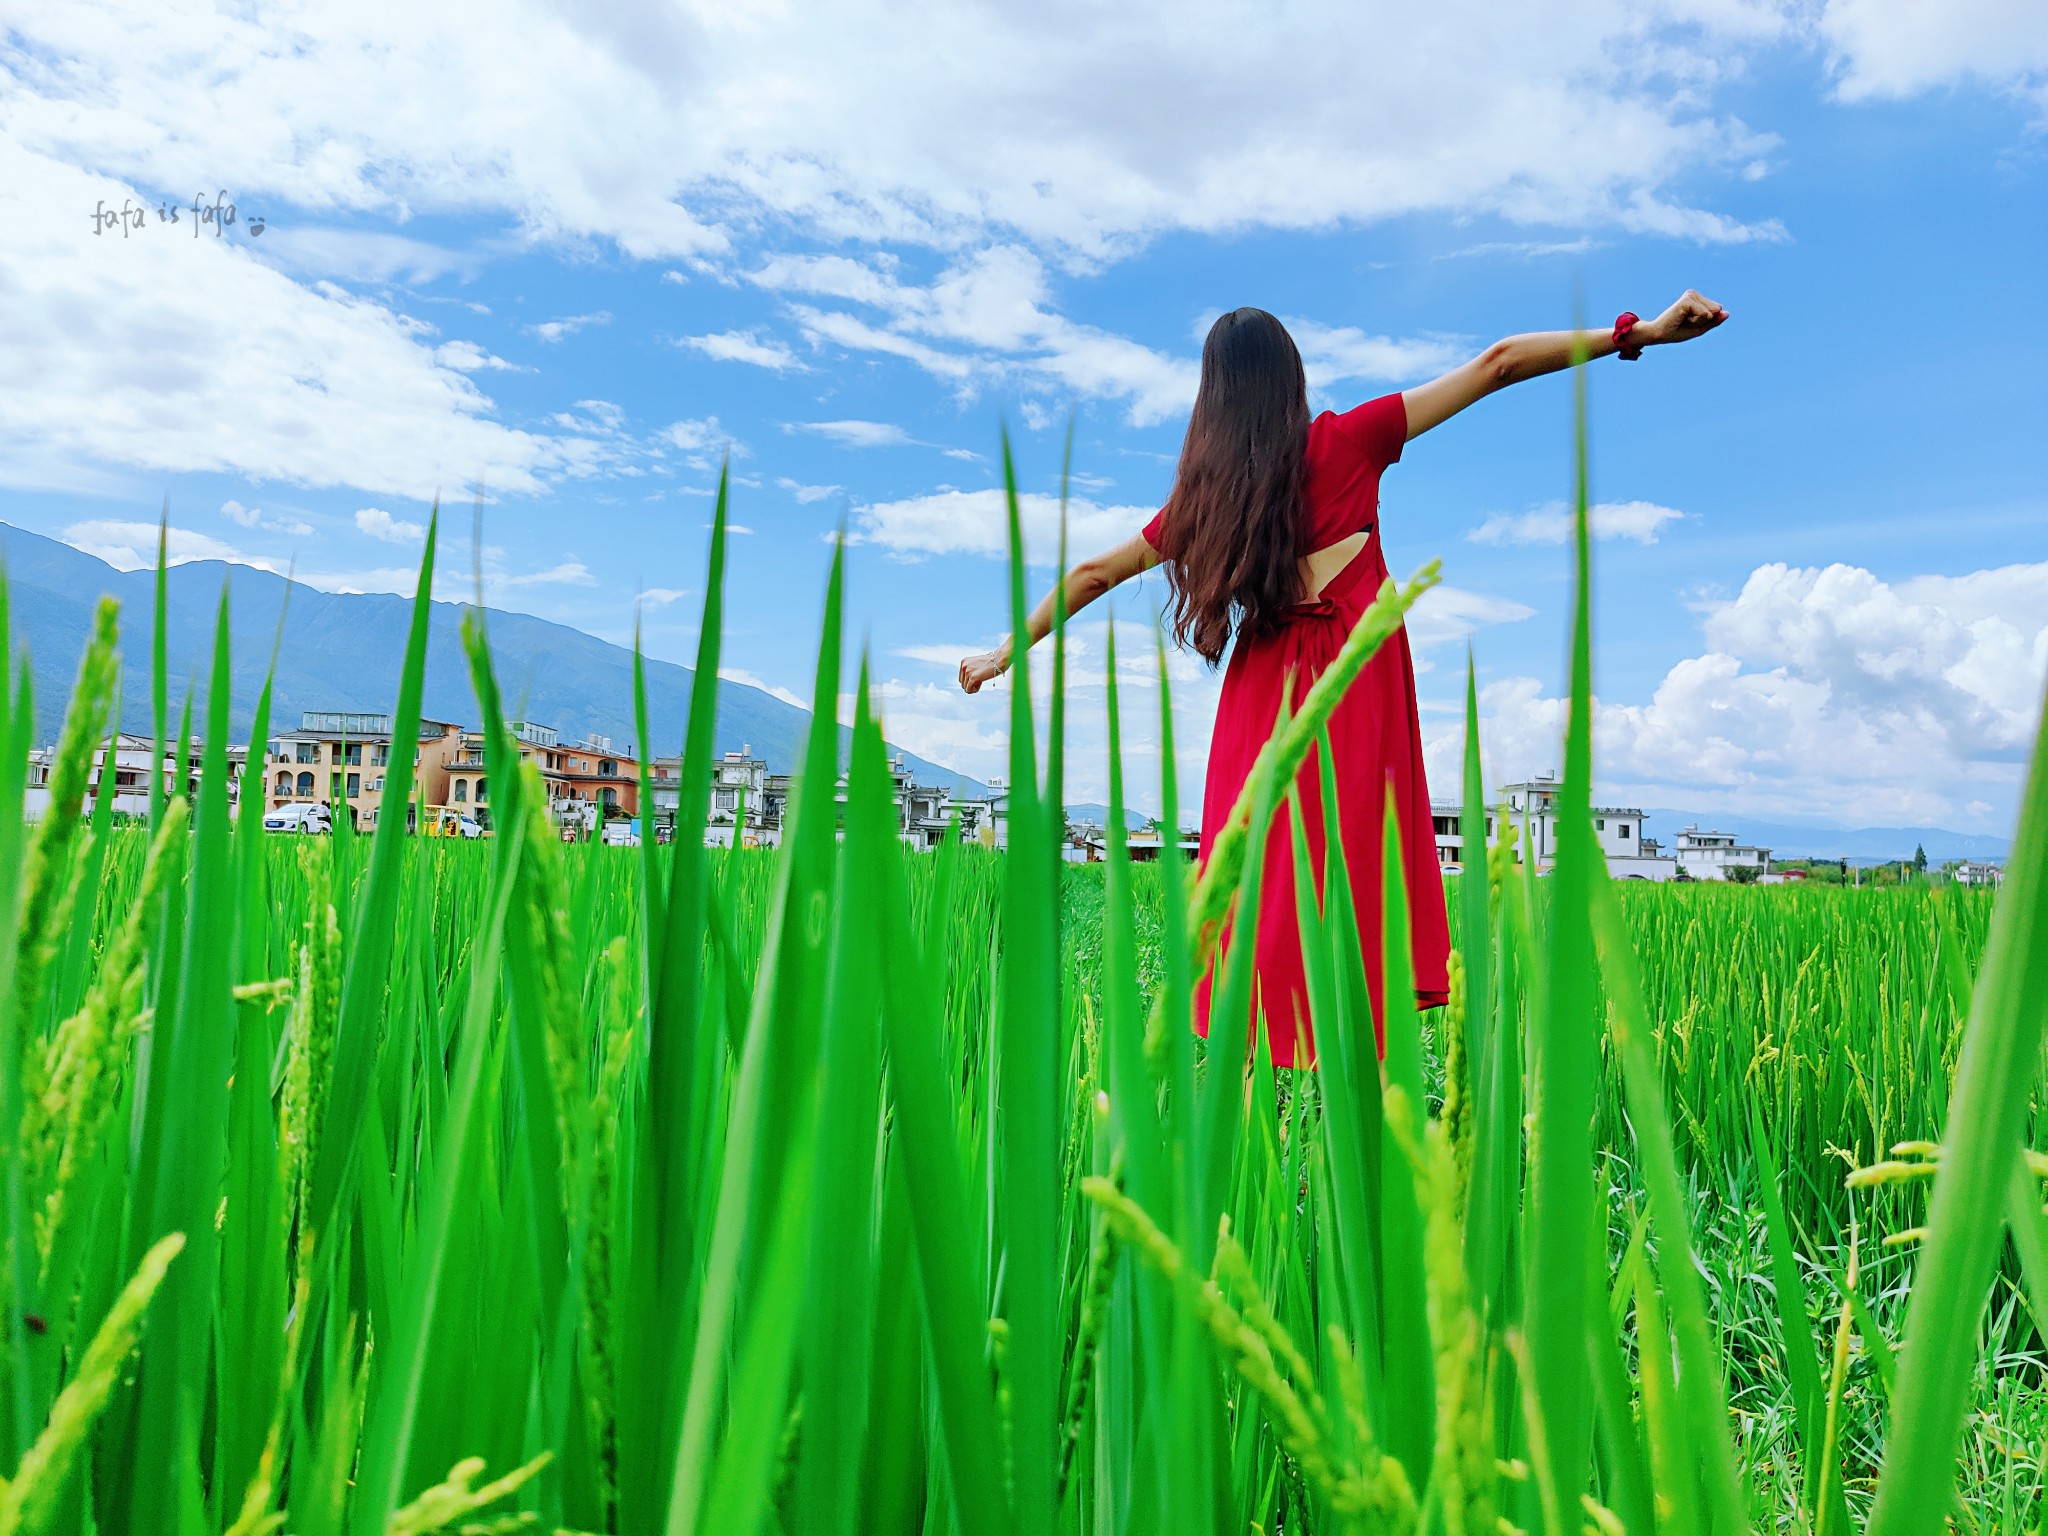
(1919, 859)
(1744, 874)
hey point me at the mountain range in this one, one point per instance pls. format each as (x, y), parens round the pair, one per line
(1859, 845)
(344, 651)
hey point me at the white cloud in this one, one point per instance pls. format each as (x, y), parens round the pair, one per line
(856, 335)
(468, 357)
(1637, 521)
(363, 255)
(1819, 691)
(661, 597)
(748, 679)
(745, 347)
(131, 546)
(994, 303)
(703, 442)
(1900, 47)
(1444, 614)
(1330, 354)
(381, 525)
(660, 128)
(570, 573)
(857, 434)
(977, 523)
(256, 517)
(806, 494)
(569, 325)
(195, 356)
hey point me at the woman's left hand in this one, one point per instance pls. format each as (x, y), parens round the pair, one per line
(976, 670)
(1693, 315)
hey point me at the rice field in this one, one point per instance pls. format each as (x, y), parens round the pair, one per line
(374, 1184)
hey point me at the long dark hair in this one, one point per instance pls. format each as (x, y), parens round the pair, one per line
(1232, 531)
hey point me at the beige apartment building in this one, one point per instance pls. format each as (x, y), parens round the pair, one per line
(341, 760)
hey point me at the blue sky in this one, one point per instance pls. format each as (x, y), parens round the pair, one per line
(573, 260)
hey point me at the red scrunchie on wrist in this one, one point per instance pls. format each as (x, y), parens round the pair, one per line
(1623, 324)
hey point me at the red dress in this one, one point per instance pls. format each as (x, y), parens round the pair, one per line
(1375, 740)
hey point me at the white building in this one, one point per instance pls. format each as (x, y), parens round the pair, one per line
(984, 819)
(1531, 806)
(1711, 855)
(131, 774)
(1976, 872)
(922, 810)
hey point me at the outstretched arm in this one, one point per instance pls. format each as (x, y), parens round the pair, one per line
(1085, 583)
(1539, 352)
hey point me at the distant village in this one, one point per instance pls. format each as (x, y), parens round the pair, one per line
(334, 767)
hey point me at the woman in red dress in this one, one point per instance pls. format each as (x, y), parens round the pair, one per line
(1271, 539)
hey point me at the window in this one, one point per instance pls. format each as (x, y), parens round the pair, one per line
(611, 798)
(352, 753)
(380, 755)
(480, 790)
(1625, 829)
(284, 783)
(355, 785)
(1599, 823)
(726, 800)
(462, 791)
(608, 769)
(306, 785)
(334, 786)
(306, 752)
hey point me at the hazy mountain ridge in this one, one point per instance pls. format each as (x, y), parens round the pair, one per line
(1859, 845)
(345, 651)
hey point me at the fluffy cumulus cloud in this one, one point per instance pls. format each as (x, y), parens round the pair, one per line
(386, 529)
(194, 356)
(1899, 47)
(1911, 701)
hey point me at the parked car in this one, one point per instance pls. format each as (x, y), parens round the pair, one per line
(1450, 869)
(449, 822)
(303, 816)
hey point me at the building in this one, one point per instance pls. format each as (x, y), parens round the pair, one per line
(1714, 855)
(586, 782)
(922, 810)
(1532, 807)
(1143, 844)
(131, 755)
(341, 759)
(985, 818)
(748, 803)
(596, 777)
(1977, 872)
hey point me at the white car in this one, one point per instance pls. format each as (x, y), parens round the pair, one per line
(620, 834)
(303, 816)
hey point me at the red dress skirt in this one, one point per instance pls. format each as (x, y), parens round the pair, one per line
(1375, 742)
